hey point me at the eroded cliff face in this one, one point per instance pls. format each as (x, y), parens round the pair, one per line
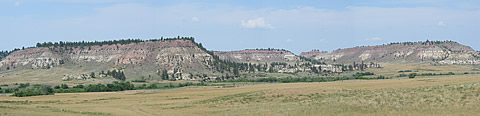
(176, 56)
(34, 58)
(289, 62)
(258, 56)
(429, 52)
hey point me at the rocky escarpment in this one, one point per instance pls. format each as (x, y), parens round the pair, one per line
(435, 52)
(275, 60)
(258, 56)
(175, 56)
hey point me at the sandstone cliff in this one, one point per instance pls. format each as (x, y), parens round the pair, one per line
(176, 56)
(436, 52)
(258, 56)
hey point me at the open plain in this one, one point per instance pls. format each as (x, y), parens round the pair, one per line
(453, 95)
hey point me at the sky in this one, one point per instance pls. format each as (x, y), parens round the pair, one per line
(225, 25)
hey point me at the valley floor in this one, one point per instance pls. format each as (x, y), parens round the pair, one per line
(452, 95)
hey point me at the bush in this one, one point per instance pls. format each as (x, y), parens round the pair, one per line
(78, 86)
(451, 73)
(405, 71)
(64, 86)
(140, 81)
(358, 74)
(74, 90)
(115, 86)
(24, 85)
(43, 90)
(412, 75)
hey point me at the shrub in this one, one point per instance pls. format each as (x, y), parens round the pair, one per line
(24, 85)
(42, 90)
(64, 86)
(140, 81)
(78, 86)
(115, 86)
(412, 75)
(451, 73)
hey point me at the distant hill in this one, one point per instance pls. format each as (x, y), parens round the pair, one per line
(258, 56)
(182, 58)
(435, 52)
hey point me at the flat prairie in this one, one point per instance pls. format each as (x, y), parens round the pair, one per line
(452, 95)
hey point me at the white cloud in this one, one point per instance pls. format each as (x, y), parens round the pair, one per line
(16, 3)
(441, 23)
(256, 23)
(373, 39)
(195, 19)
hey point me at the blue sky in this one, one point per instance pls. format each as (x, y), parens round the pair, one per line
(296, 25)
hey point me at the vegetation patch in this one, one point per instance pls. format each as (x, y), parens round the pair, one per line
(240, 98)
(110, 98)
(84, 113)
(8, 107)
(180, 107)
(178, 98)
(43, 107)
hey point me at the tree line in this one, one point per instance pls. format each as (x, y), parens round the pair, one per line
(422, 42)
(302, 79)
(119, 75)
(4, 54)
(109, 42)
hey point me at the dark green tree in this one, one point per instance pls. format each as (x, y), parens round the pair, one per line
(64, 86)
(412, 75)
(164, 74)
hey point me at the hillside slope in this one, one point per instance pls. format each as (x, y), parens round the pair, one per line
(258, 56)
(435, 52)
(180, 58)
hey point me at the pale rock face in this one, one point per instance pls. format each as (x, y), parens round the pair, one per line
(402, 53)
(165, 54)
(365, 56)
(331, 68)
(77, 77)
(258, 56)
(34, 58)
(328, 56)
(177, 57)
(433, 52)
(290, 57)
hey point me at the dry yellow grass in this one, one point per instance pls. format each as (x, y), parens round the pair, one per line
(423, 96)
(391, 70)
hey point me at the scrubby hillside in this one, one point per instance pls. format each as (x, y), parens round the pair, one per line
(181, 58)
(258, 56)
(436, 52)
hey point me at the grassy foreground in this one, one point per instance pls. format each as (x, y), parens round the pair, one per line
(457, 95)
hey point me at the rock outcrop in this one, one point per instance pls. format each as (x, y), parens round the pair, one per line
(77, 77)
(258, 56)
(447, 52)
(177, 56)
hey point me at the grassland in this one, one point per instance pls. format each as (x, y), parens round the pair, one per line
(452, 95)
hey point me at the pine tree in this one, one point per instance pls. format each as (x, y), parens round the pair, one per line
(164, 74)
(236, 72)
(92, 74)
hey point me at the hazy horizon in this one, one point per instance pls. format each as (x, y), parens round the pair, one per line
(298, 26)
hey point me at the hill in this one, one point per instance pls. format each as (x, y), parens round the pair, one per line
(434, 52)
(258, 56)
(172, 58)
